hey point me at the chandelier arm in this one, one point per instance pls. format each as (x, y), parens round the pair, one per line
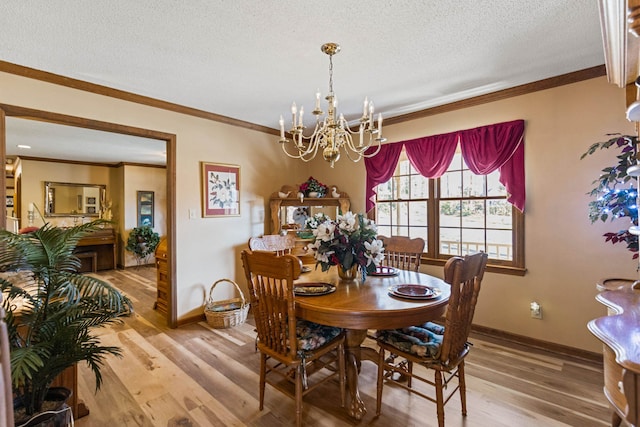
(348, 143)
(354, 160)
(298, 140)
(360, 148)
(375, 152)
(301, 154)
(293, 156)
(298, 156)
(348, 128)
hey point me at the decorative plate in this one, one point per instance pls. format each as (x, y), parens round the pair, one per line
(313, 289)
(414, 291)
(383, 270)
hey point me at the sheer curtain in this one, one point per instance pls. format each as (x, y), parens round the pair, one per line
(484, 149)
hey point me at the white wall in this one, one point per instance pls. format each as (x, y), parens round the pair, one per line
(138, 178)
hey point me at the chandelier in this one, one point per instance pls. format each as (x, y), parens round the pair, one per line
(332, 133)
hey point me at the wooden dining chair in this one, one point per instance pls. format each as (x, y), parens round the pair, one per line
(402, 252)
(273, 242)
(432, 346)
(289, 346)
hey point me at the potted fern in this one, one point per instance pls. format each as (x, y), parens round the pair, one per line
(52, 313)
(142, 242)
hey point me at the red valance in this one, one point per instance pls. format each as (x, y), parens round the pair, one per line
(485, 149)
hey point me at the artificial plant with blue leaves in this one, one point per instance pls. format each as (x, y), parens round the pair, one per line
(615, 192)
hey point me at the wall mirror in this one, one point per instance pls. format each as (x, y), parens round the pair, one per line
(69, 199)
(289, 212)
(297, 215)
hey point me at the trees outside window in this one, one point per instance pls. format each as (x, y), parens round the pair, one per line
(459, 213)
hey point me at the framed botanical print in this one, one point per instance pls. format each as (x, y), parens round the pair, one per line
(220, 189)
(145, 208)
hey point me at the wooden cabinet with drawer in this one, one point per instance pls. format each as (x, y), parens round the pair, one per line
(162, 270)
(618, 331)
(97, 250)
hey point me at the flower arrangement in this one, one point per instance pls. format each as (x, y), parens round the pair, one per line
(349, 240)
(311, 224)
(314, 221)
(312, 185)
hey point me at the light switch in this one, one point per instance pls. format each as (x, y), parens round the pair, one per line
(192, 214)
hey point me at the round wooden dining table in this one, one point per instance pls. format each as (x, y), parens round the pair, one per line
(358, 306)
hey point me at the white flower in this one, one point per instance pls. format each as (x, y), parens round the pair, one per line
(325, 231)
(323, 257)
(315, 220)
(348, 222)
(370, 225)
(375, 246)
(375, 252)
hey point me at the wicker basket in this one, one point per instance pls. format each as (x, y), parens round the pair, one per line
(226, 313)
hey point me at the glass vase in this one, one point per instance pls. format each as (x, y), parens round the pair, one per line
(348, 274)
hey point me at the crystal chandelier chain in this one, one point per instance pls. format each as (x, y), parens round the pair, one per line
(332, 134)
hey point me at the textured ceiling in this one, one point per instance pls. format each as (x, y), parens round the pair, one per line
(249, 60)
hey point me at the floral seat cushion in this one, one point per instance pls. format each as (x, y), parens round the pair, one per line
(313, 335)
(424, 340)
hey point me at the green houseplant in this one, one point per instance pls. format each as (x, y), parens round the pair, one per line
(51, 315)
(142, 242)
(615, 192)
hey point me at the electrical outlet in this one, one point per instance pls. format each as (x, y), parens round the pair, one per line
(536, 310)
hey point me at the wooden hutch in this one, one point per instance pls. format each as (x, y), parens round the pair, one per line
(336, 201)
(620, 20)
(276, 203)
(618, 332)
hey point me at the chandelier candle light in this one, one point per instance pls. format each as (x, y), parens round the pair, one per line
(332, 134)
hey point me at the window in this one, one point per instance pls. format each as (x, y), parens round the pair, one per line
(457, 214)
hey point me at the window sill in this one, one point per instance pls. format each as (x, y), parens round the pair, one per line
(491, 268)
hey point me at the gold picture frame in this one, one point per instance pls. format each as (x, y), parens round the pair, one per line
(220, 189)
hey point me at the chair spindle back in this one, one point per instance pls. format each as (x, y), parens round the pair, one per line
(465, 276)
(270, 278)
(402, 252)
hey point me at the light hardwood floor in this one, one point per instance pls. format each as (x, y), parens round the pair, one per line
(199, 376)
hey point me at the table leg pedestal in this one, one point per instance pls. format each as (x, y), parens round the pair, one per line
(353, 355)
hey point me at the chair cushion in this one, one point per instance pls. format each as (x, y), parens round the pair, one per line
(423, 340)
(313, 335)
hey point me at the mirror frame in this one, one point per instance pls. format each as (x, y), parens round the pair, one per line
(48, 185)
